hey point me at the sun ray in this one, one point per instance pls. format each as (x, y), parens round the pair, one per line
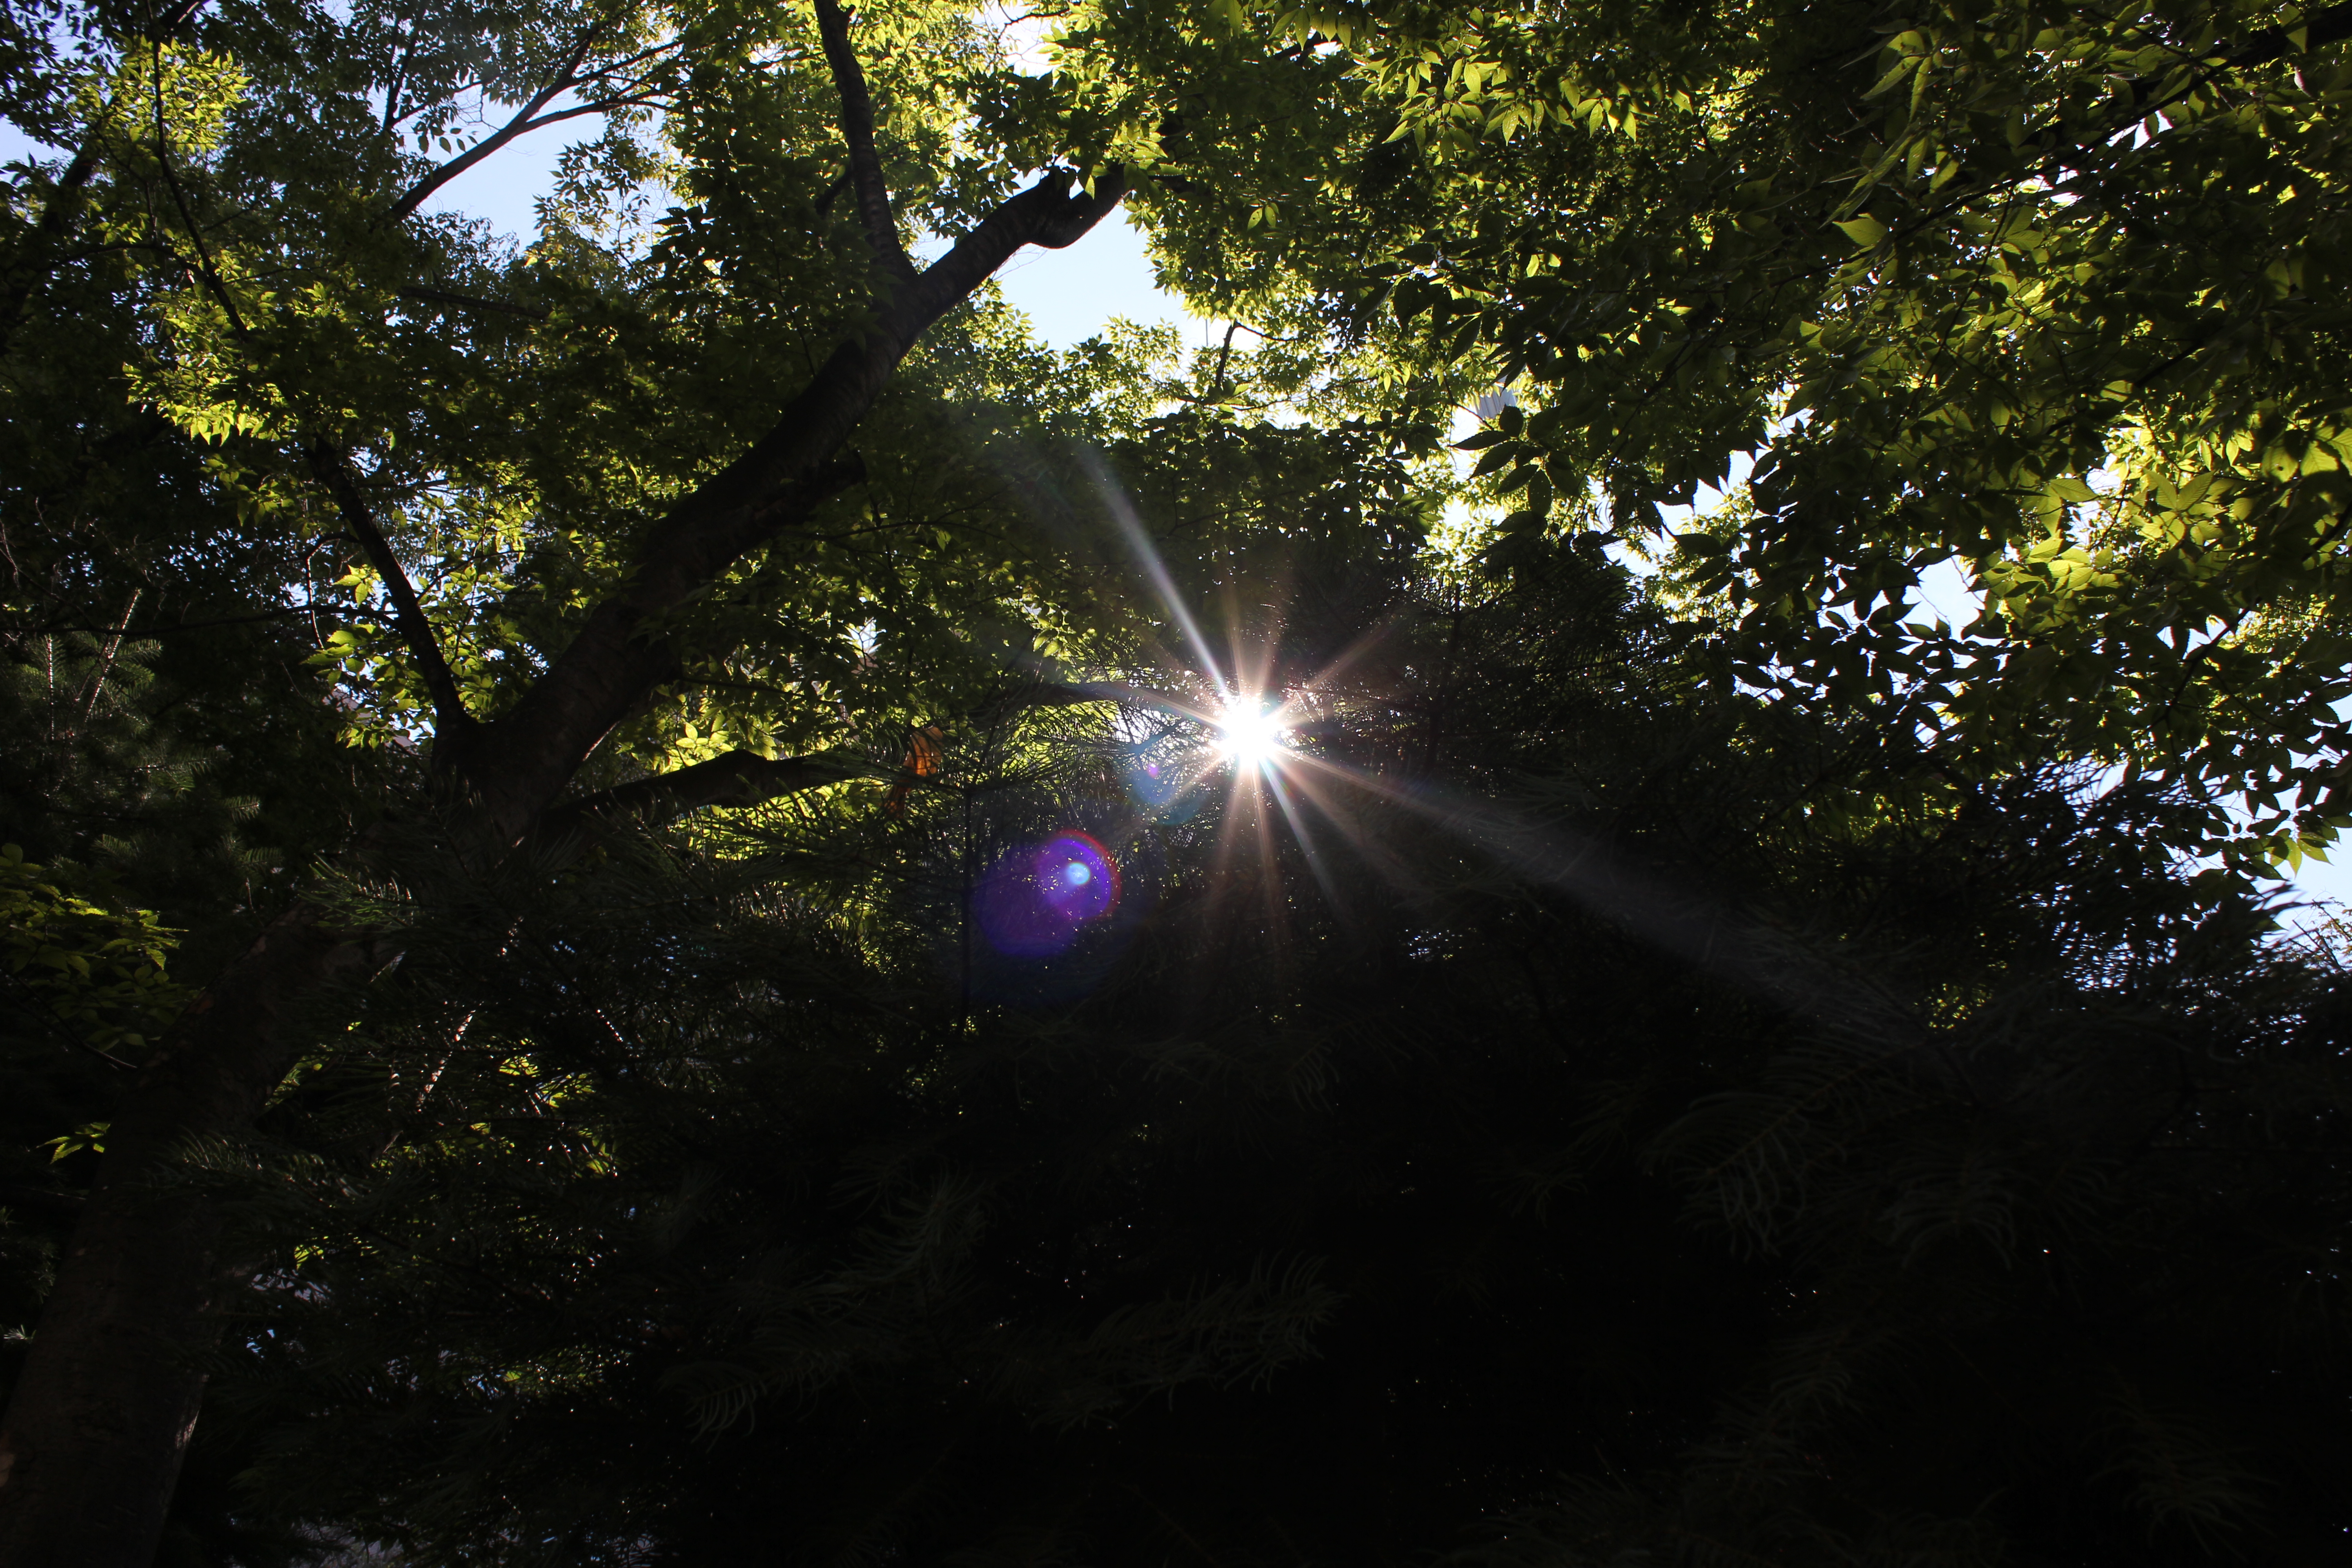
(1253, 738)
(1307, 846)
(1131, 528)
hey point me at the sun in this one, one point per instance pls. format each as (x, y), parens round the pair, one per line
(1248, 734)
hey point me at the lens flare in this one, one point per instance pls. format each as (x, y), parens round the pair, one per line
(1248, 734)
(1039, 899)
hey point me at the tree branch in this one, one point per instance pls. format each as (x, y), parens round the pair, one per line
(618, 658)
(745, 778)
(2328, 27)
(857, 130)
(2141, 98)
(416, 194)
(334, 471)
(736, 779)
(30, 265)
(1047, 214)
(167, 629)
(614, 664)
(398, 81)
(126, 1328)
(524, 120)
(173, 18)
(1052, 694)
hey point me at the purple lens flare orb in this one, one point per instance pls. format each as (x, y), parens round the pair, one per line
(1038, 899)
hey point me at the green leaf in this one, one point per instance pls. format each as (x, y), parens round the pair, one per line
(1894, 77)
(1497, 458)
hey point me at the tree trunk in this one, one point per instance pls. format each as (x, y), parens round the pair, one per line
(97, 1425)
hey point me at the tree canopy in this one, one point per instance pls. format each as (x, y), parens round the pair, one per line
(2037, 290)
(685, 900)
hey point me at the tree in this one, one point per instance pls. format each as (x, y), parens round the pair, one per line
(405, 390)
(1828, 967)
(1690, 1141)
(2034, 290)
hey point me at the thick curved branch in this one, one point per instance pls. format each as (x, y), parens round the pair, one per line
(857, 130)
(109, 1393)
(736, 779)
(1048, 214)
(618, 660)
(334, 471)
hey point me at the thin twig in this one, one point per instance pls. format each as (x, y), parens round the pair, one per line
(162, 631)
(205, 270)
(106, 658)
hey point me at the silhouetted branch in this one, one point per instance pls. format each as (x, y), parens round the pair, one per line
(736, 779)
(530, 118)
(857, 130)
(334, 471)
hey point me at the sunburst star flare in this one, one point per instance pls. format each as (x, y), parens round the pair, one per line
(1249, 733)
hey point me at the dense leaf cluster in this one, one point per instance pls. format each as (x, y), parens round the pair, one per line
(2035, 291)
(1706, 1151)
(1677, 1057)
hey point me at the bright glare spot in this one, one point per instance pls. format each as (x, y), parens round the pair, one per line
(1076, 874)
(1249, 733)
